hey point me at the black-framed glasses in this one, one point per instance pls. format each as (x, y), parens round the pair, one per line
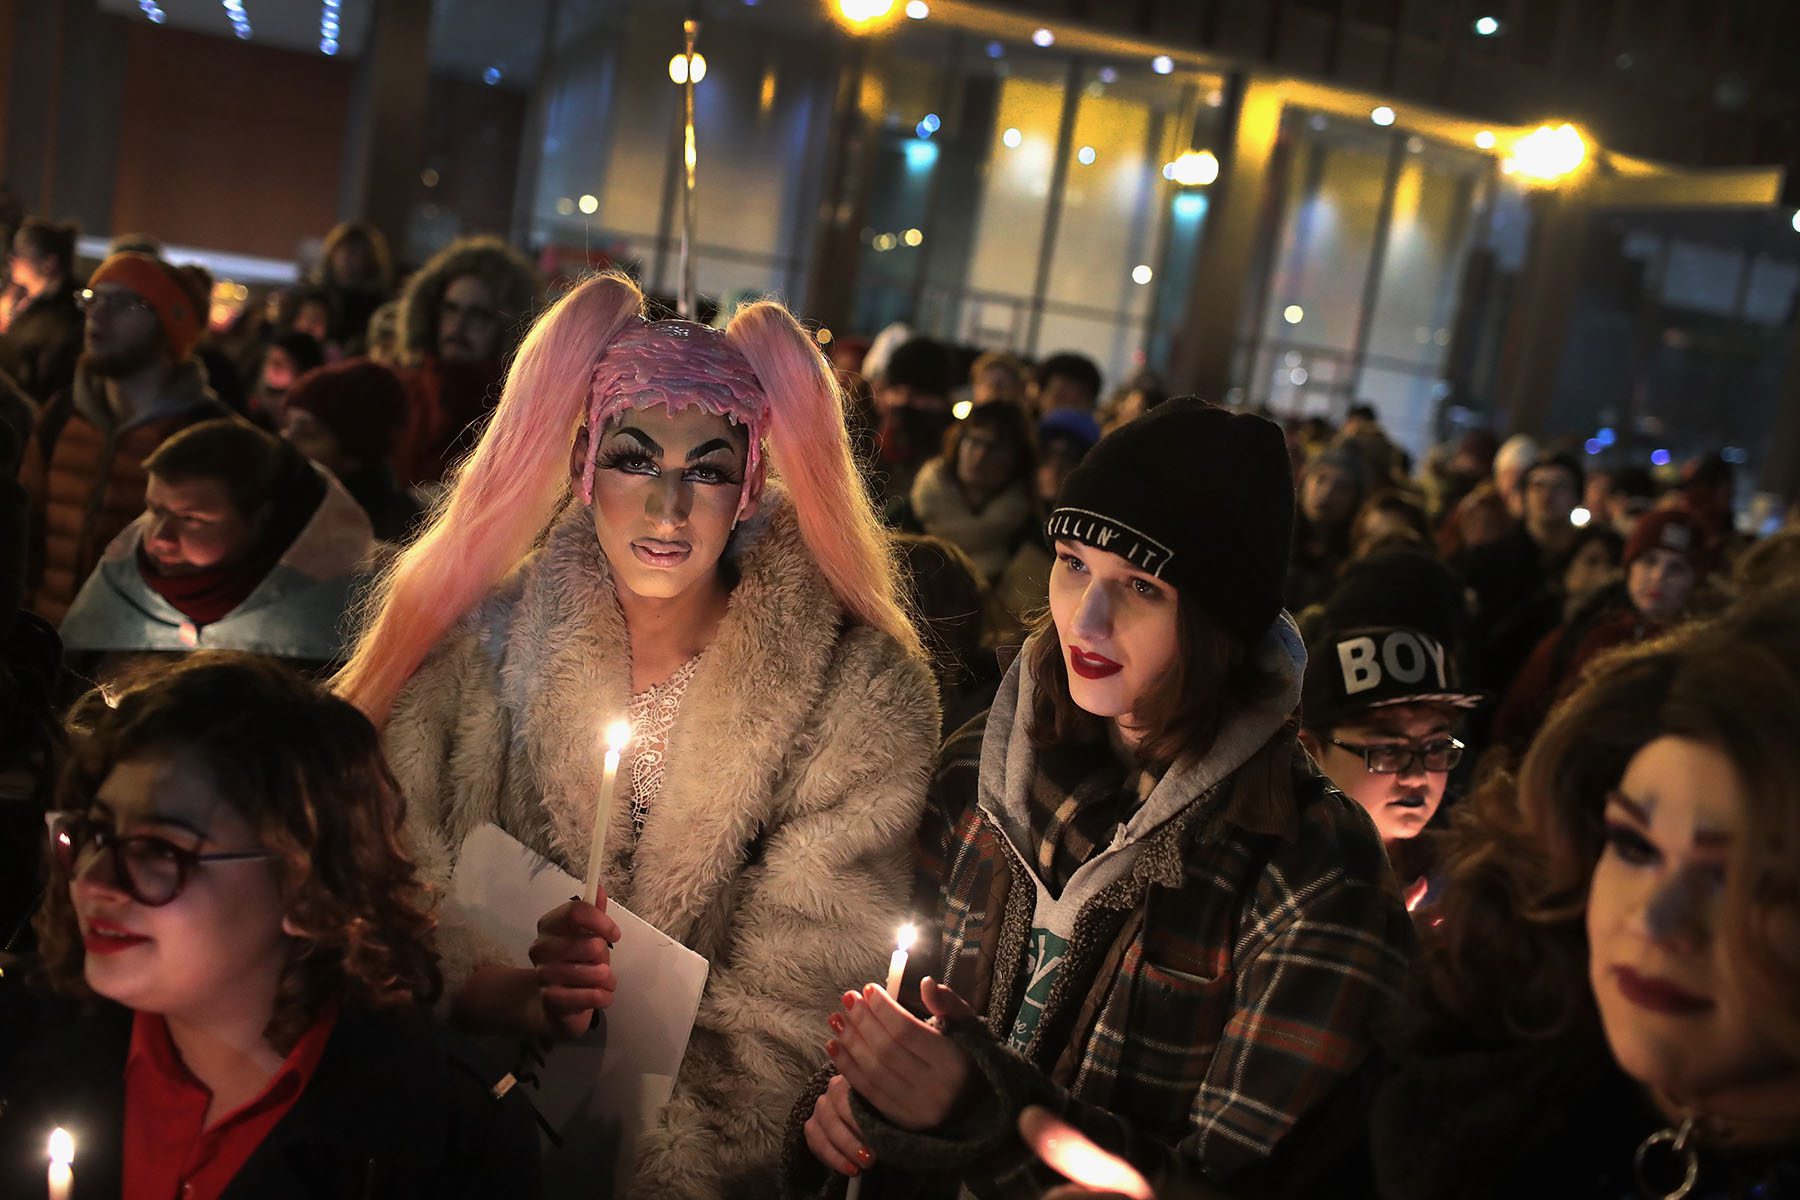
(1394, 758)
(88, 300)
(150, 869)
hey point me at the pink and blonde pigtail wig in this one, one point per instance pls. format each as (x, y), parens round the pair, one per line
(501, 496)
(809, 448)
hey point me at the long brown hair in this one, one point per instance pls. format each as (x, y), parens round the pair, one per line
(1212, 677)
(305, 770)
(1510, 957)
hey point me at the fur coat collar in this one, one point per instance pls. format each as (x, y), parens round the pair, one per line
(568, 674)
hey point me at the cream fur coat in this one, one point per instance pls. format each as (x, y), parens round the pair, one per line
(778, 848)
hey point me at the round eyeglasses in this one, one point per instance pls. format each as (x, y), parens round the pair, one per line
(150, 869)
(1396, 758)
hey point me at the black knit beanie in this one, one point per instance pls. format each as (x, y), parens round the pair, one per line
(1197, 496)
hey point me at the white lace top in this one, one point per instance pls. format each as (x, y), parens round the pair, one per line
(652, 715)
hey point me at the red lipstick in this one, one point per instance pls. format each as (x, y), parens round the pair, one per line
(1091, 666)
(1659, 995)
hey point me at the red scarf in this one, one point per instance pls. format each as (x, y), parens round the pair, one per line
(211, 595)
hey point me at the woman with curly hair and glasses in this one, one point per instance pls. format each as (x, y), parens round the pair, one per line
(1610, 1006)
(250, 952)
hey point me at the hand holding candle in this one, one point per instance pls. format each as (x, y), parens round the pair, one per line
(617, 734)
(62, 1159)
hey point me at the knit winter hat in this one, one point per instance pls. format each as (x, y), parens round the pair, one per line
(1390, 634)
(1674, 529)
(1197, 496)
(180, 312)
(1071, 424)
(361, 402)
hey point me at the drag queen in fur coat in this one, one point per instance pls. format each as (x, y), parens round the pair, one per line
(745, 615)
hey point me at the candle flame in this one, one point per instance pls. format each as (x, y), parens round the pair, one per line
(905, 936)
(1066, 1150)
(617, 734)
(62, 1146)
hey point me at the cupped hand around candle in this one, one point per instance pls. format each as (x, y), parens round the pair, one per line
(832, 1134)
(907, 1069)
(572, 959)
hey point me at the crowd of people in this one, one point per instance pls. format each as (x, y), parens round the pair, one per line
(1281, 817)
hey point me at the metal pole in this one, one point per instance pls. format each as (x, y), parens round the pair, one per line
(686, 301)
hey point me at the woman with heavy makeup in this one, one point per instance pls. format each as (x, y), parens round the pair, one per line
(1610, 1006)
(662, 524)
(1148, 911)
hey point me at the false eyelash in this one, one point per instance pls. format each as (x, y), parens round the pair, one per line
(620, 456)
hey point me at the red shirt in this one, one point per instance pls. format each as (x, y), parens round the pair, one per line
(170, 1152)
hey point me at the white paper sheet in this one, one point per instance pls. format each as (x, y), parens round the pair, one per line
(601, 1091)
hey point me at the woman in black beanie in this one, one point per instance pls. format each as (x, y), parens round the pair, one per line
(1143, 908)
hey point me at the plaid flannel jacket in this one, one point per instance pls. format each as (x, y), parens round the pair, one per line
(1208, 999)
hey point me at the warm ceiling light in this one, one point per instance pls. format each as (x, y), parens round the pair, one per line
(678, 68)
(1547, 154)
(1195, 168)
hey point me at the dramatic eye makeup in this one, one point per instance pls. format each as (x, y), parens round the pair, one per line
(633, 452)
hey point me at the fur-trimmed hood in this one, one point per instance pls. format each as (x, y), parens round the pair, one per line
(504, 269)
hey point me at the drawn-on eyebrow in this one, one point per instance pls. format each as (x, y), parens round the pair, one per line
(648, 441)
(706, 448)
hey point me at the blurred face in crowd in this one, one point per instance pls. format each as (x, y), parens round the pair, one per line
(219, 942)
(1660, 582)
(1060, 391)
(1117, 626)
(1549, 499)
(194, 526)
(314, 318)
(666, 488)
(1671, 995)
(1401, 803)
(1329, 496)
(1622, 512)
(892, 396)
(1597, 492)
(122, 335)
(278, 371)
(354, 263)
(32, 270)
(313, 438)
(984, 463)
(1129, 408)
(469, 324)
(997, 383)
(1057, 458)
(1590, 568)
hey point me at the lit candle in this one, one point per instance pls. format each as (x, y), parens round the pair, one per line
(62, 1158)
(617, 734)
(904, 937)
(903, 940)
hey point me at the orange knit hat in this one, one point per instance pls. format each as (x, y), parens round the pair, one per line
(180, 313)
